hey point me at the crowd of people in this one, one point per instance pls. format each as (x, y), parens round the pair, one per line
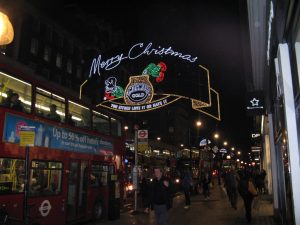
(158, 194)
(248, 183)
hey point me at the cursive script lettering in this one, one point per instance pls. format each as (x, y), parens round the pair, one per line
(135, 52)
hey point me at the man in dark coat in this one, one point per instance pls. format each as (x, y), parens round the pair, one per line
(160, 196)
(186, 184)
(245, 194)
(231, 182)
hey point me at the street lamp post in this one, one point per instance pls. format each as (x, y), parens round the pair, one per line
(135, 168)
(190, 150)
(198, 124)
(220, 160)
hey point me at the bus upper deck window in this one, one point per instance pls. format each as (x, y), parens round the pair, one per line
(15, 93)
(115, 127)
(79, 115)
(49, 105)
(12, 101)
(101, 122)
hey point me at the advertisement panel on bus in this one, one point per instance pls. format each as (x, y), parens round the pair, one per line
(51, 136)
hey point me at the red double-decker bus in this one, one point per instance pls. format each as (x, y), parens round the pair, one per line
(72, 166)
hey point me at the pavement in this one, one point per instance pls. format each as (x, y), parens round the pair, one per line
(215, 211)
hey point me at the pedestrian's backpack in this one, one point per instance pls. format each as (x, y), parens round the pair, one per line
(251, 188)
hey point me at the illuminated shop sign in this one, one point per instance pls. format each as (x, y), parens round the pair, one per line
(255, 103)
(153, 86)
(255, 135)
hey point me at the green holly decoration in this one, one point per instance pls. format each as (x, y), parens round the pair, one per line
(152, 70)
(118, 92)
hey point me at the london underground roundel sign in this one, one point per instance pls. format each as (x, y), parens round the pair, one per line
(143, 134)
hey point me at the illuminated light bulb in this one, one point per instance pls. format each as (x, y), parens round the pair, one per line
(6, 30)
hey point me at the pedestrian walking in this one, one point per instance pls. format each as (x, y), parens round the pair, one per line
(243, 188)
(205, 181)
(160, 196)
(144, 191)
(231, 183)
(186, 184)
(261, 182)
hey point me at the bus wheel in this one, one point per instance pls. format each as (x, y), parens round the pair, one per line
(98, 210)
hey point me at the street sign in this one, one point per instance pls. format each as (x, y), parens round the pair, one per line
(204, 142)
(142, 146)
(27, 135)
(215, 149)
(142, 134)
(223, 150)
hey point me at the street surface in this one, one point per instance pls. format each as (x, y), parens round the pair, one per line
(215, 211)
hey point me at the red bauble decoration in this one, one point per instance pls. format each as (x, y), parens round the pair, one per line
(160, 78)
(108, 96)
(163, 66)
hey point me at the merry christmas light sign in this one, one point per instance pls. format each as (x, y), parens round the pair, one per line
(156, 85)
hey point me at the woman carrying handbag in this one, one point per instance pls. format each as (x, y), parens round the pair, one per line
(247, 191)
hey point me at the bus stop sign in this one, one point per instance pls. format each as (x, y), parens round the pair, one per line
(27, 135)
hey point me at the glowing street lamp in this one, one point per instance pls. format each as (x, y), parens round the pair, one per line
(158, 138)
(126, 127)
(239, 152)
(6, 30)
(216, 136)
(198, 123)
(232, 149)
(225, 143)
(181, 145)
(228, 157)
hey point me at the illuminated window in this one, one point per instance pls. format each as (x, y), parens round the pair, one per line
(12, 175)
(100, 122)
(69, 66)
(58, 60)
(10, 85)
(45, 178)
(115, 127)
(49, 33)
(79, 72)
(45, 101)
(81, 116)
(47, 53)
(34, 46)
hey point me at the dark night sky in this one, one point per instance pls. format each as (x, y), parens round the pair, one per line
(211, 30)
